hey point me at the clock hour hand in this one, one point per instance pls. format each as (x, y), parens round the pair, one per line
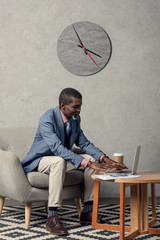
(91, 51)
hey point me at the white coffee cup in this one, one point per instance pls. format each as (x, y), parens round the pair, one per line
(118, 157)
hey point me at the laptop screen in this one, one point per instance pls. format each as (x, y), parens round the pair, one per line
(136, 160)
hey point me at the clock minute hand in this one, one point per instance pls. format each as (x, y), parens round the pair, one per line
(78, 38)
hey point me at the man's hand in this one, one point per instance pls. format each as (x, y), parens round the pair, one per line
(118, 166)
(103, 166)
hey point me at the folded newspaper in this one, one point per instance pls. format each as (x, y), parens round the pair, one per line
(114, 176)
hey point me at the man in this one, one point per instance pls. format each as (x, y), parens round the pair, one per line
(59, 128)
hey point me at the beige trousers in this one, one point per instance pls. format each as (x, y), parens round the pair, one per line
(57, 167)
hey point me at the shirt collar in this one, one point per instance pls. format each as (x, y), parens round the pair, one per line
(64, 117)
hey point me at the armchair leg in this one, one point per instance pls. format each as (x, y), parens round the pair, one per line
(2, 199)
(28, 209)
(78, 203)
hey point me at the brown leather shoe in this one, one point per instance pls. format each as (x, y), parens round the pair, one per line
(86, 218)
(54, 226)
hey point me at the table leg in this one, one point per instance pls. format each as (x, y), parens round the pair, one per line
(154, 218)
(133, 231)
(143, 208)
(95, 203)
(134, 203)
(122, 211)
(153, 194)
(96, 225)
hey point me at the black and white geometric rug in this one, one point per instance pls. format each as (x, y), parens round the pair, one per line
(12, 224)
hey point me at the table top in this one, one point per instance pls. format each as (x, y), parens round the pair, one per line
(146, 176)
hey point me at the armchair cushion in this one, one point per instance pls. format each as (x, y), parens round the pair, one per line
(41, 180)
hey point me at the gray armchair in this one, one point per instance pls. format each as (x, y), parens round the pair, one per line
(33, 187)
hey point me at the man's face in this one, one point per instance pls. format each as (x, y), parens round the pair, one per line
(72, 110)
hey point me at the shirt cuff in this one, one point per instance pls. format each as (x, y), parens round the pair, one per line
(101, 158)
(84, 163)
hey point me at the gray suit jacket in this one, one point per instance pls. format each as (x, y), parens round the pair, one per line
(50, 139)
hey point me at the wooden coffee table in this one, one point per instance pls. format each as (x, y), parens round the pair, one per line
(139, 205)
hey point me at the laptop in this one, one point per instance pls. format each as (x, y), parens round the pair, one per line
(125, 172)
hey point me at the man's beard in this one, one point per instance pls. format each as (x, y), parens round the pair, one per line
(75, 116)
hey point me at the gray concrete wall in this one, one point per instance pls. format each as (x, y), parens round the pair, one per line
(120, 104)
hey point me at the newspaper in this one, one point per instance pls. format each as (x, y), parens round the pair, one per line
(114, 176)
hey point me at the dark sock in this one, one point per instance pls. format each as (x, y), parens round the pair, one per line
(52, 212)
(88, 206)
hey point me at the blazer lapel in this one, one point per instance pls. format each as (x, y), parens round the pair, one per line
(60, 124)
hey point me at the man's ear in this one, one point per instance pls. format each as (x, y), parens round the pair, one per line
(62, 106)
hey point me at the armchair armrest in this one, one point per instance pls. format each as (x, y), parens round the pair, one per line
(13, 181)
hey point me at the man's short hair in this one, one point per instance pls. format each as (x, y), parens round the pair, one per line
(67, 94)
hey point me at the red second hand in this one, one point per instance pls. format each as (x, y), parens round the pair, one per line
(88, 53)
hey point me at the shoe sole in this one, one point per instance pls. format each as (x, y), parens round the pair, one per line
(85, 223)
(54, 233)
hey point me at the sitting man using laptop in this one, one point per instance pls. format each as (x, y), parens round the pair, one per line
(59, 128)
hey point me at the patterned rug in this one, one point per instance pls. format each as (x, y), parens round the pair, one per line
(12, 224)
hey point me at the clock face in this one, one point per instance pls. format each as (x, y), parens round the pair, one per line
(84, 48)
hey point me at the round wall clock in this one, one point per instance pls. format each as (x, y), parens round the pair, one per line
(84, 48)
